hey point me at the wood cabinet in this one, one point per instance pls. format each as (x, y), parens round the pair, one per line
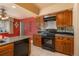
(60, 19)
(40, 21)
(37, 40)
(59, 44)
(64, 18)
(68, 18)
(68, 47)
(29, 52)
(6, 50)
(64, 45)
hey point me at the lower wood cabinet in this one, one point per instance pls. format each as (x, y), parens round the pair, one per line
(68, 46)
(64, 45)
(37, 40)
(59, 44)
(6, 50)
(29, 52)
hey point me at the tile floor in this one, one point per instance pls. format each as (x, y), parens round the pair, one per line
(37, 51)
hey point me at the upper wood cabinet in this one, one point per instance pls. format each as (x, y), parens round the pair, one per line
(40, 21)
(68, 18)
(60, 19)
(64, 18)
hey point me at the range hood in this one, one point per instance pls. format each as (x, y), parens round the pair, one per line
(49, 18)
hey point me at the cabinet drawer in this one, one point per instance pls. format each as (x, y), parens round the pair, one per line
(59, 38)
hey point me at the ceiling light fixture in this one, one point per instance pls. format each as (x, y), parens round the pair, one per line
(3, 15)
(13, 6)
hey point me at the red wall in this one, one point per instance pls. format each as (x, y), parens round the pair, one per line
(30, 26)
(16, 30)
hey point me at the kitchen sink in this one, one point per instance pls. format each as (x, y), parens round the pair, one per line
(5, 40)
(2, 41)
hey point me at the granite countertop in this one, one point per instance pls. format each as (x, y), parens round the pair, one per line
(64, 35)
(13, 39)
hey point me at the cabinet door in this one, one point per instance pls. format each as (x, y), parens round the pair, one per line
(6, 53)
(34, 40)
(37, 40)
(68, 18)
(59, 44)
(69, 46)
(29, 52)
(40, 21)
(6, 50)
(60, 19)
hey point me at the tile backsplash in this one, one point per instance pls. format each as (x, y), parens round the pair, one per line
(65, 29)
(51, 25)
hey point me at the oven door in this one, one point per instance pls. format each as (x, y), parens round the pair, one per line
(48, 44)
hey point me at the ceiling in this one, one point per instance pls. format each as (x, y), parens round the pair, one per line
(24, 10)
(55, 7)
(43, 5)
(46, 8)
(29, 6)
(17, 11)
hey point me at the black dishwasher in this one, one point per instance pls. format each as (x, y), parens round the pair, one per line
(21, 47)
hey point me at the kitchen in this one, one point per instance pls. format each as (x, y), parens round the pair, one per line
(24, 25)
(57, 33)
